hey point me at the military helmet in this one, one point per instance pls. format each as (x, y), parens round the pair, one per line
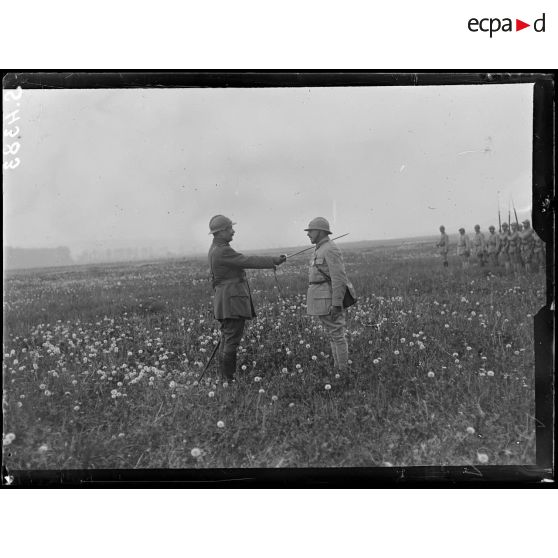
(526, 222)
(477, 227)
(504, 225)
(219, 223)
(461, 229)
(492, 228)
(318, 224)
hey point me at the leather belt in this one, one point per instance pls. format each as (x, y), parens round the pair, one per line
(318, 282)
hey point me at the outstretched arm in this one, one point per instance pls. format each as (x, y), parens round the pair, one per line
(236, 259)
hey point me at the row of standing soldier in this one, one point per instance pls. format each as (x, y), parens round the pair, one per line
(516, 248)
(232, 303)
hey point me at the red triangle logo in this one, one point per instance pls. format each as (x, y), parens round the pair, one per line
(519, 25)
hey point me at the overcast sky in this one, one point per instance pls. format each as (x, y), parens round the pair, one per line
(149, 167)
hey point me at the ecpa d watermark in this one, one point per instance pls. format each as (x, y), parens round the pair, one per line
(492, 25)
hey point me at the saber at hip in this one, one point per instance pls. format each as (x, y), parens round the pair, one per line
(311, 247)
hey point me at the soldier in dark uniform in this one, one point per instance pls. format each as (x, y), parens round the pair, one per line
(232, 303)
(443, 245)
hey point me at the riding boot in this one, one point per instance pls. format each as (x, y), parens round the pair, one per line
(228, 366)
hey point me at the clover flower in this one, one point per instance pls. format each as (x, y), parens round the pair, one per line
(431, 374)
(196, 452)
(8, 438)
(482, 457)
(470, 430)
(327, 387)
(220, 424)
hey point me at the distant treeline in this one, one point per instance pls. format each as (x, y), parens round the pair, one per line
(25, 258)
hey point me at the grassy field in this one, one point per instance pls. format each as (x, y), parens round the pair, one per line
(101, 365)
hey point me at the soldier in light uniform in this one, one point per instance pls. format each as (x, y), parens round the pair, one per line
(503, 253)
(479, 245)
(463, 248)
(232, 303)
(514, 248)
(328, 283)
(493, 246)
(539, 257)
(527, 241)
(443, 244)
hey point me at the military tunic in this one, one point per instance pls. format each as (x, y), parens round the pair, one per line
(324, 293)
(232, 293)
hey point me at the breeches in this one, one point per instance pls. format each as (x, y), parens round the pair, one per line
(335, 331)
(231, 332)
